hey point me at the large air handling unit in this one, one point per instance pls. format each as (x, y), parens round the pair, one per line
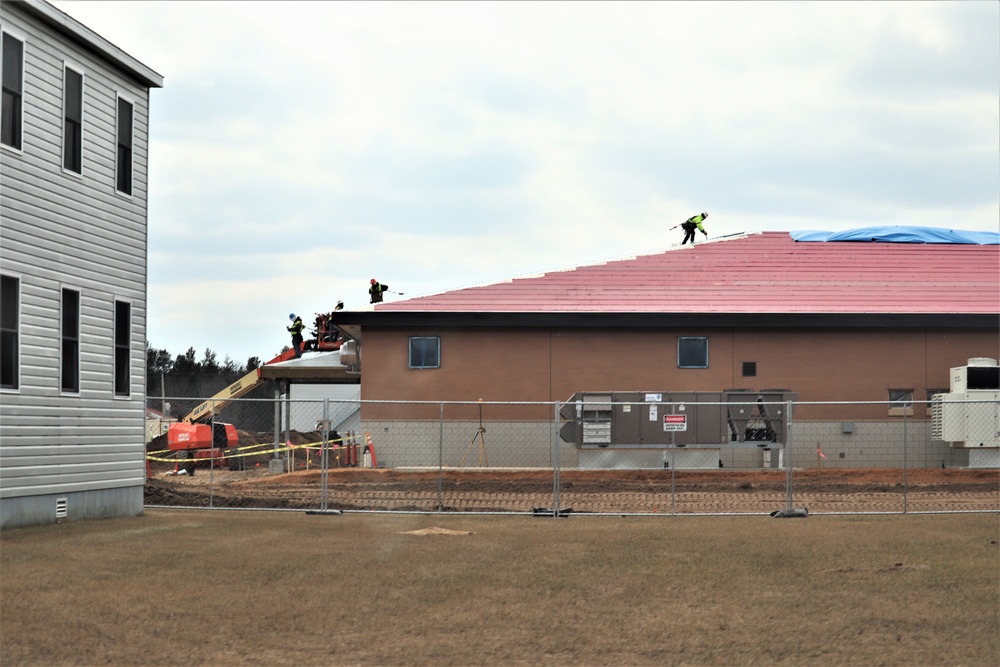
(678, 429)
(968, 416)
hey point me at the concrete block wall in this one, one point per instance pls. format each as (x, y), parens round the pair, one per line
(871, 444)
(414, 443)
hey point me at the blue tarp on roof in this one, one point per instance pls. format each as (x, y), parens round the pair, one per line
(897, 234)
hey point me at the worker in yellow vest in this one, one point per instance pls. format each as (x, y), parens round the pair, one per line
(691, 224)
(375, 291)
(296, 330)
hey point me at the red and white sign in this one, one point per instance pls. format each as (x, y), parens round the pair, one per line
(675, 422)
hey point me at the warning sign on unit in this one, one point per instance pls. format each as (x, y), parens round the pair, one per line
(675, 422)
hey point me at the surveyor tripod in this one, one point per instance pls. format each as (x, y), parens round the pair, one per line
(483, 457)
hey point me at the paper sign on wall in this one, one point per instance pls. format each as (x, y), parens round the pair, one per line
(652, 413)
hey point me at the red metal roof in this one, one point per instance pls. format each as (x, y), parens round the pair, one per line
(760, 273)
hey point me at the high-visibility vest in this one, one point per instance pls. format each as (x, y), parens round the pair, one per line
(694, 221)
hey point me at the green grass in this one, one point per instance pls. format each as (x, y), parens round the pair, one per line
(230, 588)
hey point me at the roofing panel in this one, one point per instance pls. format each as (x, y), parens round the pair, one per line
(760, 273)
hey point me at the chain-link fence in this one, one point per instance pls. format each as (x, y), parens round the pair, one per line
(597, 454)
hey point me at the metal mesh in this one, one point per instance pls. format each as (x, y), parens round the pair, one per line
(639, 457)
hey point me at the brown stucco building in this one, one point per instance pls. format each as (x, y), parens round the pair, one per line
(859, 332)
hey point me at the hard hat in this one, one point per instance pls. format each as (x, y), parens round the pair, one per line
(291, 316)
(704, 214)
(374, 281)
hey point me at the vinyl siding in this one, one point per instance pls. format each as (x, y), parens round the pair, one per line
(65, 230)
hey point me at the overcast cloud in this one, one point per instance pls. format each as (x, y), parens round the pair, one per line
(300, 148)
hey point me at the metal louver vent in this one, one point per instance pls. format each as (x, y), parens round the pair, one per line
(937, 418)
(62, 508)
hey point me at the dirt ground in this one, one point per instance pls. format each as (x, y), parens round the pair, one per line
(604, 491)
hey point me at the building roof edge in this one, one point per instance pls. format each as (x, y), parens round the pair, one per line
(69, 26)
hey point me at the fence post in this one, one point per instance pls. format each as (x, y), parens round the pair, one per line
(325, 456)
(555, 459)
(273, 465)
(440, 457)
(789, 446)
(211, 460)
(673, 467)
(289, 452)
(906, 408)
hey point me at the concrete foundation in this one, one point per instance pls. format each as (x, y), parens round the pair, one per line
(855, 444)
(51, 508)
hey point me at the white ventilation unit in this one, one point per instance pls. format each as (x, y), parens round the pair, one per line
(969, 415)
(62, 508)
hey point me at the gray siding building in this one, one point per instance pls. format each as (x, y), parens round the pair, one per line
(73, 189)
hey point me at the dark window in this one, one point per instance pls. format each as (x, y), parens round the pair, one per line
(425, 352)
(73, 121)
(123, 167)
(900, 398)
(900, 402)
(123, 336)
(13, 91)
(692, 352)
(749, 369)
(70, 341)
(10, 306)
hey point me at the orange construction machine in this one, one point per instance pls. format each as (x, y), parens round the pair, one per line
(328, 337)
(200, 440)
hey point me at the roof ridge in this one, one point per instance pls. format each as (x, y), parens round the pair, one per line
(767, 272)
(624, 257)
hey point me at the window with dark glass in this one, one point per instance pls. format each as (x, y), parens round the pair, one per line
(70, 381)
(425, 352)
(73, 120)
(692, 352)
(123, 165)
(900, 402)
(123, 336)
(10, 306)
(13, 90)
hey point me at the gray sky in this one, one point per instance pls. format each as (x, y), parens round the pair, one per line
(299, 149)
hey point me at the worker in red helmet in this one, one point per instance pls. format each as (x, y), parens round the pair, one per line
(691, 224)
(375, 291)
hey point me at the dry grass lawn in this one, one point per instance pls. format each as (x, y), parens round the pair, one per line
(185, 587)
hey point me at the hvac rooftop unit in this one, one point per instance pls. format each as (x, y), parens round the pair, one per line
(969, 415)
(979, 374)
